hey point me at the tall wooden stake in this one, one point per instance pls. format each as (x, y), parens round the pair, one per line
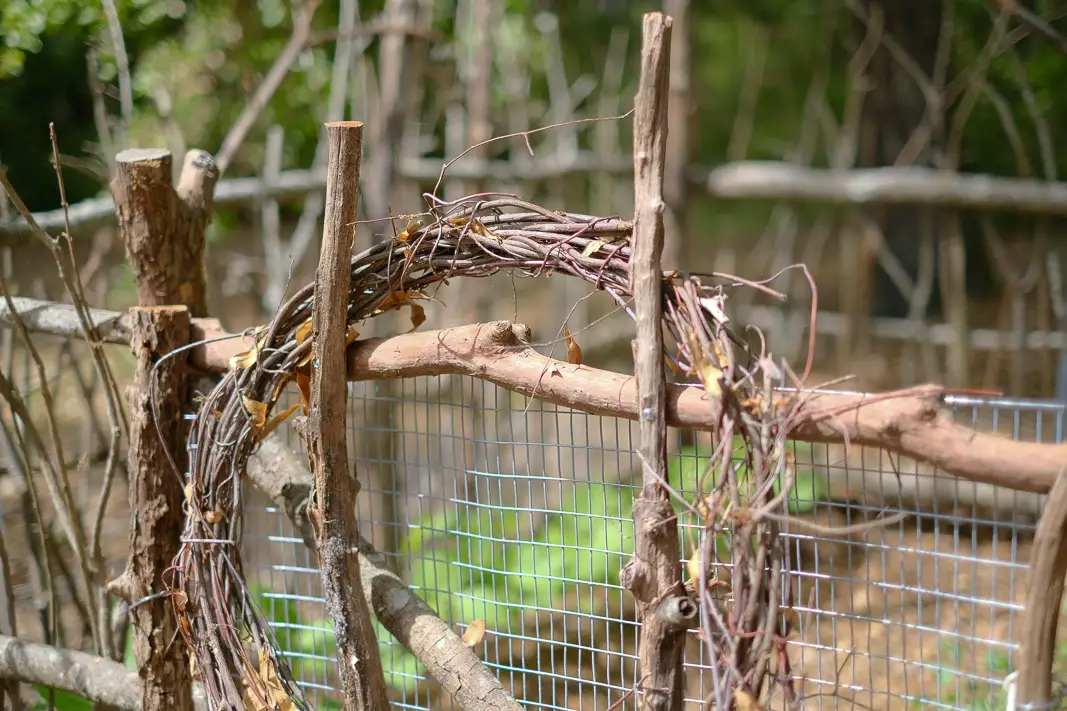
(163, 230)
(158, 399)
(654, 574)
(333, 514)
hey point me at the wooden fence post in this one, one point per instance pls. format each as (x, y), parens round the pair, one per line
(163, 230)
(654, 575)
(157, 463)
(1044, 601)
(333, 513)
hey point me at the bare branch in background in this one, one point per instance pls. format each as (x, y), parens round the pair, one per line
(101, 681)
(118, 46)
(275, 75)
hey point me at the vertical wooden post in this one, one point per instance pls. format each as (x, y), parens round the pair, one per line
(1048, 566)
(654, 574)
(157, 462)
(333, 513)
(676, 186)
(163, 229)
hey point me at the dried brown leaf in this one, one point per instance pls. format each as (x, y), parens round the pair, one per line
(303, 331)
(277, 420)
(257, 411)
(303, 384)
(745, 701)
(412, 226)
(592, 248)
(418, 316)
(481, 230)
(574, 352)
(351, 334)
(245, 359)
(474, 633)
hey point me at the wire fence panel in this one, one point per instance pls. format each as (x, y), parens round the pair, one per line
(499, 508)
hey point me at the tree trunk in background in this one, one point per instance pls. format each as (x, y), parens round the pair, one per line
(895, 107)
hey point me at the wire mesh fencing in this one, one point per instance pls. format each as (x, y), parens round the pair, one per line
(500, 509)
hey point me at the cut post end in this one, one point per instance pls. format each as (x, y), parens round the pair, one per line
(142, 155)
(344, 124)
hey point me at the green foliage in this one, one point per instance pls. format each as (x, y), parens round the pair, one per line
(63, 701)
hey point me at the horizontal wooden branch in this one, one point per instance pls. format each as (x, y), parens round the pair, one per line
(99, 680)
(911, 423)
(742, 180)
(914, 185)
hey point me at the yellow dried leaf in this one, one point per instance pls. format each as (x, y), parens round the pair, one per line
(271, 686)
(245, 359)
(412, 226)
(302, 332)
(179, 599)
(710, 376)
(745, 701)
(217, 414)
(474, 633)
(351, 334)
(574, 352)
(694, 566)
(257, 411)
(277, 420)
(279, 386)
(399, 298)
(418, 316)
(592, 248)
(305, 359)
(712, 379)
(481, 230)
(189, 492)
(194, 670)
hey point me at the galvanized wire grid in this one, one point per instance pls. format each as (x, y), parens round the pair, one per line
(500, 508)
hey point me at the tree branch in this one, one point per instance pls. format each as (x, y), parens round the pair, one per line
(744, 180)
(276, 471)
(99, 680)
(912, 423)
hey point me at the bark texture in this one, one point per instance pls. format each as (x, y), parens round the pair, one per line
(157, 460)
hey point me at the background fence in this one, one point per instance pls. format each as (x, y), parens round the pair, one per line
(516, 513)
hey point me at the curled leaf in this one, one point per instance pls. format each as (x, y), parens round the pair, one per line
(303, 384)
(710, 375)
(257, 411)
(694, 565)
(412, 226)
(245, 359)
(279, 386)
(277, 420)
(474, 633)
(592, 248)
(302, 332)
(481, 230)
(351, 334)
(277, 699)
(418, 316)
(574, 352)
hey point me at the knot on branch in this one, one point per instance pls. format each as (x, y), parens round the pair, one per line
(677, 612)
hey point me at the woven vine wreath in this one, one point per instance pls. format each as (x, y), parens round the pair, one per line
(742, 622)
